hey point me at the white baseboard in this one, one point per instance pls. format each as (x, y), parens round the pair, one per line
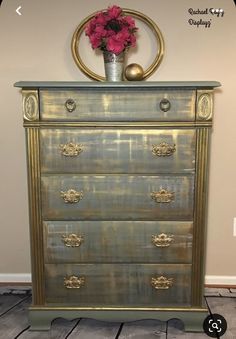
(15, 277)
(26, 278)
(220, 280)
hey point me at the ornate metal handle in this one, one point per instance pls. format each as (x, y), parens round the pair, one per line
(163, 149)
(70, 105)
(162, 240)
(162, 283)
(74, 282)
(72, 196)
(165, 105)
(72, 240)
(163, 196)
(70, 149)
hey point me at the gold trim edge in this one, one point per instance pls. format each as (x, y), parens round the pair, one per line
(56, 308)
(118, 124)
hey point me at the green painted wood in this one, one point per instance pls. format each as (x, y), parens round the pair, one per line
(123, 84)
(118, 284)
(120, 150)
(117, 197)
(41, 319)
(58, 330)
(227, 308)
(117, 105)
(14, 321)
(94, 329)
(117, 241)
(144, 329)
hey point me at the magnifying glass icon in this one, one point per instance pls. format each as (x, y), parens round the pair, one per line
(214, 325)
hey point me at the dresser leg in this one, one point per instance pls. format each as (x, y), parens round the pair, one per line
(40, 321)
(193, 322)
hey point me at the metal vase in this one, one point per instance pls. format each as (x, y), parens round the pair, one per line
(114, 66)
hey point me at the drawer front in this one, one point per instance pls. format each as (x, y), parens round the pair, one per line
(118, 284)
(117, 151)
(117, 241)
(118, 105)
(117, 197)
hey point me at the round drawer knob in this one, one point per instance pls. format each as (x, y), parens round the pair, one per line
(70, 105)
(165, 105)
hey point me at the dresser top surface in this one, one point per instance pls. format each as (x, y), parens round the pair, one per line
(123, 84)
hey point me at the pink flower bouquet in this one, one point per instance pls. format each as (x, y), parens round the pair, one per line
(111, 30)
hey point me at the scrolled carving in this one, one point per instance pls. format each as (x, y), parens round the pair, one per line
(162, 240)
(30, 105)
(163, 149)
(162, 283)
(74, 281)
(72, 196)
(163, 196)
(204, 105)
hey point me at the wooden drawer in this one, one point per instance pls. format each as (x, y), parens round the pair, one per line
(118, 105)
(110, 150)
(118, 284)
(117, 197)
(117, 241)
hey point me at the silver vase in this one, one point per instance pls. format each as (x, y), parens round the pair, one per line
(114, 65)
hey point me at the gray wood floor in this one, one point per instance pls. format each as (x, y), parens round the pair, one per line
(14, 302)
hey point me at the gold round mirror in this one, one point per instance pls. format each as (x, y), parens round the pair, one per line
(133, 68)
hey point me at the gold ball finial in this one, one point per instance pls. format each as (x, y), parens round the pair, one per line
(134, 72)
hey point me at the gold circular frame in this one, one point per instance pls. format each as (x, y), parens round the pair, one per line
(149, 22)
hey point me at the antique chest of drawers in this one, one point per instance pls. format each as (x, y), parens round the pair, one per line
(117, 193)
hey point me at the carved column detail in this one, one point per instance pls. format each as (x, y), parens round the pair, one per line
(204, 105)
(30, 105)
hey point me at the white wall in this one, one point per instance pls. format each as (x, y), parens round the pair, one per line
(36, 46)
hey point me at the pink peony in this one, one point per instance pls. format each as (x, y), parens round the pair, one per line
(115, 45)
(95, 40)
(101, 18)
(100, 31)
(129, 21)
(114, 12)
(111, 30)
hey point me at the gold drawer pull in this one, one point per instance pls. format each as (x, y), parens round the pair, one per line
(72, 196)
(70, 105)
(162, 240)
(163, 149)
(70, 149)
(72, 240)
(162, 283)
(165, 105)
(163, 196)
(74, 282)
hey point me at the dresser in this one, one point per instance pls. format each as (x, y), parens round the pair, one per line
(117, 176)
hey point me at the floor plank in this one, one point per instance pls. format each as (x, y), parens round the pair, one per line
(15, 290)
(175, 330)
(14, 321)
(144, 329)
(225, 292)
(94, 329)
(9, 301)
(227, 308)
(233, 292)
(211, 292)
(59, 330)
